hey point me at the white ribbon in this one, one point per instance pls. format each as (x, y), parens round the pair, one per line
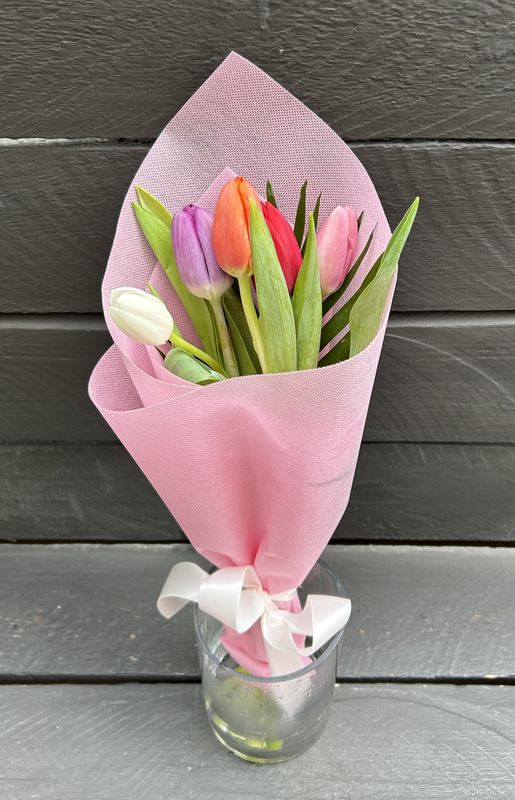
(235, 596)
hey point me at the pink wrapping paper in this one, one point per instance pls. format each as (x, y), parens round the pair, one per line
(258, 469)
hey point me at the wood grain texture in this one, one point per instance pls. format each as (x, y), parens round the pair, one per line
(148, 742)
(445, 382)
(402, 492)
(68, 611)
(459, 257)
(370, 69)
(439, 380)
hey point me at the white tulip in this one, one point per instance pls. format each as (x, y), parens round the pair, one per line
(141, 315)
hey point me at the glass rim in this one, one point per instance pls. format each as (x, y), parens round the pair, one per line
(330, 646)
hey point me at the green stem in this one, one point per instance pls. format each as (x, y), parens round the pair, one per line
(229, 358)
(249, 309)
(194, 351)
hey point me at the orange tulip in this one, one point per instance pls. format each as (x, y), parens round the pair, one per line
(231, 238)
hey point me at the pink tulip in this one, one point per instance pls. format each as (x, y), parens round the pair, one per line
(337, 240)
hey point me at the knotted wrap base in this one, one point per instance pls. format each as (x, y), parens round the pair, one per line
(235, 596)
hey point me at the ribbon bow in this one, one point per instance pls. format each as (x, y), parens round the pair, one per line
(235, 596)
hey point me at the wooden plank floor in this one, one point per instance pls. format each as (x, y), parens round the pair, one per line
(135, 742)
(418, 612)
(98, 696)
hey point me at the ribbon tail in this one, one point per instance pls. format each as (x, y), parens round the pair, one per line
(321, 618)
(181, 587)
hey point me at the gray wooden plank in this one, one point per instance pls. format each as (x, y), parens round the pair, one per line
(69, 198)
(439, 380)
(402, 491)
(370, 69)
(422, 492)
(71, 611)
(459, 256)
(137, 742)
(82, 492)
(446, 381)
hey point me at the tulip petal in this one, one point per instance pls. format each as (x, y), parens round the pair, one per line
(331, 299)
(231, 240)
(189, 255)
(286, 247)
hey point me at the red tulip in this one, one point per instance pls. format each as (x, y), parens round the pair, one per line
(286, 247)
(231, 238)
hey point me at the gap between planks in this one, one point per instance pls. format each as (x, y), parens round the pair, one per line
(74, 321)
(119, 680)
(95, 141)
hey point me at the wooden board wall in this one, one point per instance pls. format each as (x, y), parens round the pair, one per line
(424, 101)
(97, 692)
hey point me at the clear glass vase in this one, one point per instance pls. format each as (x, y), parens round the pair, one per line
(268, 720)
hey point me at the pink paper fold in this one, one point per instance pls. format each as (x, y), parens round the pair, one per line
(256, 470)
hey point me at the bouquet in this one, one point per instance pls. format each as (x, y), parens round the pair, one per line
(247, 294)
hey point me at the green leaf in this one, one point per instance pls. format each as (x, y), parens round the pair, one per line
(191, 369)
(216, 342)
(270, 196)
(393, 250)
(248, 360)
(300, 216)
(316, 212)
(331, 299)
(367, 312)
(245, 363)
(158, 235)
(275, 310)
(307, 304)
(154, 291)
(342, 317)
(150, 203)
(340, 352)
(360, 220)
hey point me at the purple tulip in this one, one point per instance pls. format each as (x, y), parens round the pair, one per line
(196, 262)
(337, 240)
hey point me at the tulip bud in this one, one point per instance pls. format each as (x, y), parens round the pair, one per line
(286, 247)
(141, 315)
(231, 238)
(337, 240)
(196, 262)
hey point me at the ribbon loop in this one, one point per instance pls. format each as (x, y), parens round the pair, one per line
(235, 596)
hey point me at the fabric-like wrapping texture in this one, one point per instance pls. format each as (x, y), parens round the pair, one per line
(258, 469)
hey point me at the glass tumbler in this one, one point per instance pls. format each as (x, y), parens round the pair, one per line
(268, 720)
